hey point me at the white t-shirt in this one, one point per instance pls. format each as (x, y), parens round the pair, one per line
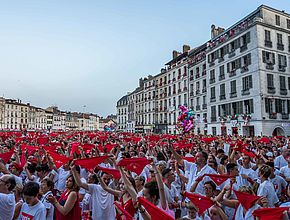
(7, 206)
(248, 215)
(193, 174)
(266, 189)
(285, 171)
(280, 162)
(49, 207)
(170, 194)
(102, 203)
(247, 171)
(279, 183)
(36, 212)
(62, 176)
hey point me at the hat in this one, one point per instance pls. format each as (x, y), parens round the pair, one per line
(165, 171)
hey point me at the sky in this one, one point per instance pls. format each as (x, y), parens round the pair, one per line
(85, 55)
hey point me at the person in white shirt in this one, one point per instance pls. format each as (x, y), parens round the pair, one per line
(102, 201)
(285, 171)
(266, 188)
(46, 188)
(169, 189)
(7, 199)
(32, 209)
(281, 161)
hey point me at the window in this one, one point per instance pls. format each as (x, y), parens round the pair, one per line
(213, 113)
(247, 83)
(246, 60)
(222, 91)
(249, 106)
(268, 57)
(289, 84)
(282, 83)
(185, 99)
(212, 76)
(212, 92)
(214, 131)
(267, 35)
(222, 70)
(277, 19)
(288, 23)
(279, 39)
(270, 81)
(233, 87)
(282, 62)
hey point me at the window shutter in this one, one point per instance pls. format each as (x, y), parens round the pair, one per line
(273, 58)
(248, 37)
(249, 59)
(267, 106)
(250, 82)
(264, 56)
(228, 67)
(288, 106)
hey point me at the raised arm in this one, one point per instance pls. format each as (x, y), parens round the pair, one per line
(78, 179)
(163, 201)
(128, 185)
(69, 204)
(177, 157)
(108, 189)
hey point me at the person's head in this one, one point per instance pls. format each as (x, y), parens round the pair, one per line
(214, 213)
(139, 181)
(30, 192)
(213, 164)
(15, 169)
(272, 165)
(224, 160)
(168, 175)
(209, 188)
(93, 179)
(246, 159)
(191, 210)
(232, 169)
(46, 185)
(7, 183)
(265, 171)
(71, 184)
(220, 153)
(246, 189)
(42, 170)
(285, 152)
(106, 178)
(151, 192)
(201, 158)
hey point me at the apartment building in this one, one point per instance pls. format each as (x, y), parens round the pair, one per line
(122, 115)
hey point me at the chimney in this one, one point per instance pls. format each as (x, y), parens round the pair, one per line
(174, 54)
(185, 48)
(215, 31)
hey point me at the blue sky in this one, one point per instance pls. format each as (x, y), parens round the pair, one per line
(76, 53)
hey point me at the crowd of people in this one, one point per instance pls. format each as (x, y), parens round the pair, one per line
(107, 175)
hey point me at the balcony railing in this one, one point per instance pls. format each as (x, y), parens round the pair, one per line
(273, 115)
(204, 106)
(233, 94)
(191, 78)
(185, 89)
(211, 64)
(268, 43)
(222, 97)
(197, 107)
(231, 54)
(246, 92)
(197, 76)
(221, 77)
(244, 69)
(203, 72)
(197, 92)
(243, 48)
(212, 99)
(221, 59)
(283, 91)
(232, 73)
(212, 80)
(213, 119)
(271, 90)
(285, 115)
(282, 68)
(191, 93)
(204, 89)
(179, 90)
(280, 46)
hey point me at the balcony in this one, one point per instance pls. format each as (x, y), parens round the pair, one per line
(285, 115)
(213, 119)
(231, 54)
(221, 77)
(185, 89)
(211, 64)
(246, 92)
(212, 99)
(221, 59)
(204, 106)
(280, 46)
(173, 79)
(273, 115)
(191, 94)
(204, 89)
(269, 66)
(179, 90)
(212, 80)
(197, 76)
(191, 78)
(197, 92)
(232, 73)
(271, 90)
(268, 43)
(197, 107)
(244, 69)
(283, 91)
(233, 94)
(243, 48)
(222, 97)
(282, 68)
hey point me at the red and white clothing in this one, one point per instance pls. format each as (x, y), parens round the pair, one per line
(36, 212)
